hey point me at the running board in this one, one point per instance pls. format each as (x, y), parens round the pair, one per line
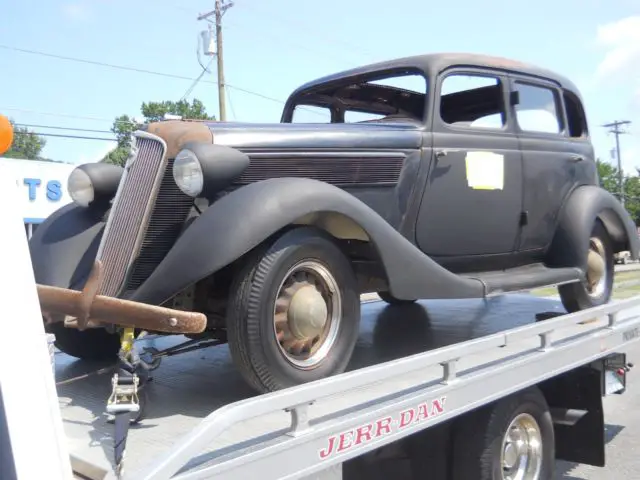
(526, 278)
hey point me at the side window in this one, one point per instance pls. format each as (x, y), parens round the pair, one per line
(311, 114)
(474, 101)
(576, 118)
(537, 110)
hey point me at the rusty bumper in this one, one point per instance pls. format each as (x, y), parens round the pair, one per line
(86, 309)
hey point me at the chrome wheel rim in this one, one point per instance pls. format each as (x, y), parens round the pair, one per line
(522, 449)
(307, 314)
(597, 272)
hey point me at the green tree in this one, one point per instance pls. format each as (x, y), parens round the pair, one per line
(26, 144)
(124, 126)
(632, 197)
(608, 176)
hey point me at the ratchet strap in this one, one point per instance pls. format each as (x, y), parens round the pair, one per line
(126, 402)
(124, 397)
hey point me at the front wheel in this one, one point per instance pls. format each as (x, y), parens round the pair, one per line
(93, 344)
(294, 312)
(597, 288)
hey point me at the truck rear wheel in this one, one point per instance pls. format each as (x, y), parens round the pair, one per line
(511, 438)
(294, 312)
(600, 272)
(95, 344)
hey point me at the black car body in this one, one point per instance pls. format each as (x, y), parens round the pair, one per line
(416, 201)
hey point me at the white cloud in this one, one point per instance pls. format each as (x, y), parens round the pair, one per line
(77, 11)
(621, 42)
(617, 77)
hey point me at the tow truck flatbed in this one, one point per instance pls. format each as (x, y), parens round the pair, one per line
(496, 340)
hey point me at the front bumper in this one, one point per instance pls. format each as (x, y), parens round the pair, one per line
(88, 309)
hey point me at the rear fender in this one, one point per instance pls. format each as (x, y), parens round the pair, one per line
(245, 218)
(587, 204)
(64, 246)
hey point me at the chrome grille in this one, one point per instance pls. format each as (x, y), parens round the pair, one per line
(129, 215)
(170, 211)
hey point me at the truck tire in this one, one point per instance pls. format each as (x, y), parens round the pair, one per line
(94, 344)
(484, 442)
(294, 311)
(391, 300)
(599, 286)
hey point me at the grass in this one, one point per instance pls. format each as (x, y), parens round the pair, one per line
(625, 285)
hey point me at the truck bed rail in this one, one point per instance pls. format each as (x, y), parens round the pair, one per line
(311, 446)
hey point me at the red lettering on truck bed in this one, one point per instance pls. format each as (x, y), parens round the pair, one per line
(381, 427)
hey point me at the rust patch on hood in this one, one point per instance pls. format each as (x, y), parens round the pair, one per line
(178, 132)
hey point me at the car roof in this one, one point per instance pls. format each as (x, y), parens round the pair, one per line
(434, 63)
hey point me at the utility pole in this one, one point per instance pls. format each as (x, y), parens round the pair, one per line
(220, 8)
(614, 127)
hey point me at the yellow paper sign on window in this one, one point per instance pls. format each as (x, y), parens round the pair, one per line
(485, 170)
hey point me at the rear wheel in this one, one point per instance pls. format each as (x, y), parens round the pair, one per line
(597, 288)
(294, 312)
(95, 344)
(512, 439)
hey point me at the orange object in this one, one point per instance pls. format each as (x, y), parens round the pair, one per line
(6, 134)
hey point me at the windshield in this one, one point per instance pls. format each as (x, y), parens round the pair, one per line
(392, 97)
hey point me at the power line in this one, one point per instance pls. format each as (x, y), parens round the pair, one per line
(131, 69)
(66, 115)
(614, 127)
(28, 125)
(40, 134)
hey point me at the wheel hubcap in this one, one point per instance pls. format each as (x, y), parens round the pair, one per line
(596, 268)
(307, 314)
(522, 449)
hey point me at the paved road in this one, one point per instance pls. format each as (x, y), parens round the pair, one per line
(622, 419)
(628, 267)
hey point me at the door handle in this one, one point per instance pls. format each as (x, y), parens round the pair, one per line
(576, 158)
(441, 153)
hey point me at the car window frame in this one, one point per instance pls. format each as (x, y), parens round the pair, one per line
(561, 113)
(438, 122)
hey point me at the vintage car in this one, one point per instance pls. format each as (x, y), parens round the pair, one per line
(265, 236)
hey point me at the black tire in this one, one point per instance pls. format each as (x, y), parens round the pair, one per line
(575, 296)
(94, 344)
(391, 300)
(477, 444)
(251, 330)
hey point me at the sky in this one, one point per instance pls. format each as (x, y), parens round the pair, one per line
(271, 47)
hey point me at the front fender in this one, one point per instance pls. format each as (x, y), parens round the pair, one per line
(64, 246)
(240, 221)
(586, 204)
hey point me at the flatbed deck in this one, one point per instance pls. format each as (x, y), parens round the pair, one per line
(188, 387)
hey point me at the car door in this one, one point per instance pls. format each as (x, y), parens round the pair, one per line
(557, 155)
(472, 201)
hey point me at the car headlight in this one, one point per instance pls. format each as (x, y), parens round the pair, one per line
(187, 173)
(80, 187)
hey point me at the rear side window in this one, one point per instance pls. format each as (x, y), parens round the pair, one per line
(537, 109)
(576, 118)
